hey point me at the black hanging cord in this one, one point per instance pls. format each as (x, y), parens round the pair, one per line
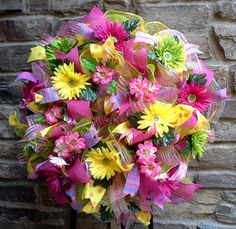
(73, 218)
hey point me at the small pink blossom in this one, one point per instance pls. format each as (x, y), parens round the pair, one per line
(138, 87)
(52, 114)
(61, 148)
(150, 168)
(152, 92)
(74, 142)
(146, 151)
(103, 75)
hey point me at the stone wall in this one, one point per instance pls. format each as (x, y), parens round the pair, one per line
(210, 24)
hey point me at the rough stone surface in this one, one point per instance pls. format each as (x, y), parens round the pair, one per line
(211, 179)
(227, 40)
(195, 17)
(225, 213)
(217, 156)
(226, 10)
(11, 5)
(12, 170)
(22, 29)
(13, 57)
(225, 131)
(210, 24)
(17, 192)
(229, 196)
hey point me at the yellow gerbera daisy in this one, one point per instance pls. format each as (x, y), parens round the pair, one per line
(158, 115)
(67, 82)
(104, 163)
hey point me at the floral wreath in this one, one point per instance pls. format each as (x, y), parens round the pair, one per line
(112, 112)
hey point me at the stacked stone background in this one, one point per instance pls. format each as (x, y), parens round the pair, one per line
(210, 24)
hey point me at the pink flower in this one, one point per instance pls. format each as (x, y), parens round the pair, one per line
(138, 86)
(61, 148)
(195, 96)
(146, 151)
(103, 75)
(152, 92)
(73, 141)
(116, 30)
(52, 114)
(151, 168)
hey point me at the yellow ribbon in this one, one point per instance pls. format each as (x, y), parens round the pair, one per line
(37, 53)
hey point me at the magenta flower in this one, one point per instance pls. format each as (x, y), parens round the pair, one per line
(116, 30)
(61, 148)
(146, 151)
(195, 96)
(103, 75)
(57, 161)
(52, 114)
(152, 92)
(74, 142)
(138, 87)
(151, 169)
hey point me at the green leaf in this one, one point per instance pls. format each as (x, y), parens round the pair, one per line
(104, 182)
(130, 26)
(197, 78)
(111, 65)
(133, 119)
(106, 215)
(39, 118)
(82, 126)
(112, 87)
(88, 94)
(166, 138)
(90, 64)
(151, 68)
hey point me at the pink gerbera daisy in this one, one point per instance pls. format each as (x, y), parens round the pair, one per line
(103, 75)
(52, 114)
(151, 168)
(74, 142)
(116, 30)
(146, 151)
(195, 96)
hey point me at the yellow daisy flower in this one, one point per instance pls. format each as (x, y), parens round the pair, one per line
(68, 83)
(104, 162)
(158, 115)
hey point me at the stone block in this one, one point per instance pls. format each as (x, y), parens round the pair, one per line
(225, 213)
(227, 40)
(17, 192)
(26, 28)
(225, 131)
(229, 196)
(9, 149)
(226, 10)
(182, 17)
(73, 6)
(118, 5)
(213, 226)
(13, 170)
(230, 109)
(13, 57)
(42, 6)
(11, 5)
(216, 179)
(217, 156)
(6, 130)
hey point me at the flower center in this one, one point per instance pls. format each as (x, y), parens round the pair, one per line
(192, 98)
(150, 167)
(106, 161)
(71, 82)
(167, 56)
(156, 118)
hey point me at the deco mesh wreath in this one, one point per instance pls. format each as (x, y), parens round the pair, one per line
(112, 112)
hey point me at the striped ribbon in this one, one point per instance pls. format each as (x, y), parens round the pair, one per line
(145, 38)
(159, 199)
(132, 182)
(49, 95)
(26, 76)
